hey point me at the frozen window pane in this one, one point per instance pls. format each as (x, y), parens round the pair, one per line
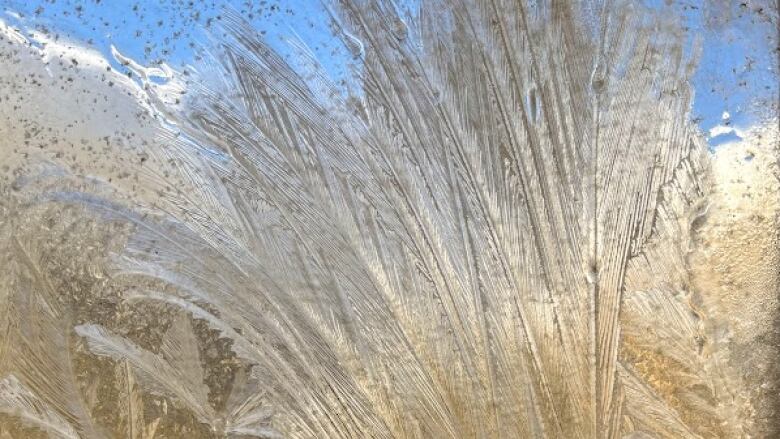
(376, 218)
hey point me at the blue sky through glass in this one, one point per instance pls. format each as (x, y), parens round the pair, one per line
(736, 77)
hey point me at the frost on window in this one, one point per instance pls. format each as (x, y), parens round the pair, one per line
(389, 219)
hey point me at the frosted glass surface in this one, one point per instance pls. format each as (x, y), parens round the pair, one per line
(389, 219)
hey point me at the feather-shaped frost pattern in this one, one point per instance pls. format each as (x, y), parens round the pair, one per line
(489, 232)
(247, 409)
(18, 400)
(158, 373)
(454, 243)
(38, 371)
(131, 401)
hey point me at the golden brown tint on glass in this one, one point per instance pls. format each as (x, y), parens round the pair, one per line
(507, 222)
